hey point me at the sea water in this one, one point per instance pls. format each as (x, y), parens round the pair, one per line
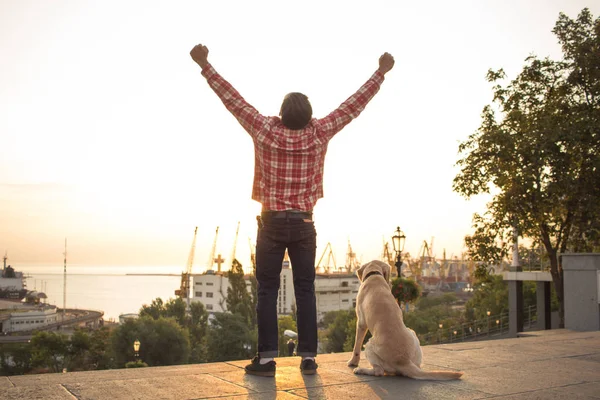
(114, 290)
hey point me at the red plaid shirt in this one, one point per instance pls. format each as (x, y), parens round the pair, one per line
(288, 164)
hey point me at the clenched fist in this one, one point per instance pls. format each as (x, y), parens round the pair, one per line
(200, 55)
(386, 63)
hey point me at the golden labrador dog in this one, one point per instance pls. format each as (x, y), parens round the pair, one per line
(393, 349)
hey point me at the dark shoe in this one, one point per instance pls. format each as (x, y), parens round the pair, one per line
(308, 367)
(256, 368)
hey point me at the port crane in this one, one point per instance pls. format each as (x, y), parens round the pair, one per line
(211, 256)
(352, 263)
(330, 257)
(387, 255)
(237, 231)
(184, 289)
(388, 258)
(427, 257)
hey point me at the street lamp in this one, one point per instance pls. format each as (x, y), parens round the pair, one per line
(398, 242)
(136, 349)
(488, 314)
(439, 333)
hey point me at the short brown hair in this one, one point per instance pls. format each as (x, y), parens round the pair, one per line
(296, 111)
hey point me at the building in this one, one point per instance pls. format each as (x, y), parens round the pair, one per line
(210, 289)
(17, 316)
(334, 292)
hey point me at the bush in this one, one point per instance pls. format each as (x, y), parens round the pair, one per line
(136, 364)
(405, 290)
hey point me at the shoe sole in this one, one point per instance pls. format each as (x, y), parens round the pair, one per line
(261, 373)
(309, 371)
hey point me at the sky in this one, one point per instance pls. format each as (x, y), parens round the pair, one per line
(111, 138)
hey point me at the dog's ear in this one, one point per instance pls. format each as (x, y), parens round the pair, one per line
(359, 272)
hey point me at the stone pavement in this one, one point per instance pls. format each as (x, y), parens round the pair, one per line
(556, 364)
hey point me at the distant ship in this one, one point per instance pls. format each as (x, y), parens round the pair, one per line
(12, 283)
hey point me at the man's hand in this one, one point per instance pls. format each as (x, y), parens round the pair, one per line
(200, 54)
(386, 63)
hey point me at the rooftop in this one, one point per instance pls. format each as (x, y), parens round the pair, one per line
(554, 364)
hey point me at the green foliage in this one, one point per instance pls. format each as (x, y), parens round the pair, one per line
(136, 364)
(492, 295)
(154, 310)
(78, 351)
(174, 308)
(198, 328)
(489, 295)
(196, 322)
(405, 290)
(50, 350)
(100, 352)
(541, 154)
(238, 299)
(430, 311)
(351, 334)
(15, 358)
(163, 342)
(337, 330)
(229, 338)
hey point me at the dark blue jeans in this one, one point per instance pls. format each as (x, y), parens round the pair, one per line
(299, 237)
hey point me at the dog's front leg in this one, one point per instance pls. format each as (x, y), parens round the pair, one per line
(361, 332)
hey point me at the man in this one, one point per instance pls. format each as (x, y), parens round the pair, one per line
(288, 180)
(291, 345)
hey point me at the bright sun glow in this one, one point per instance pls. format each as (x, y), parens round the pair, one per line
(112, 138)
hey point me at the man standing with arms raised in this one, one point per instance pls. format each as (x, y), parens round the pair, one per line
(288, 181)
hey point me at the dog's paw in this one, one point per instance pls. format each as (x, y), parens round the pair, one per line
(357, 371)
(353, 362)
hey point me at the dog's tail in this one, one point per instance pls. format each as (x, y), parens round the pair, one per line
(412, 371)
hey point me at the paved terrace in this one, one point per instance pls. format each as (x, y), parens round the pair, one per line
(555, 364)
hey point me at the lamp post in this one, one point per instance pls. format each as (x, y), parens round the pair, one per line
(488, 314)
(136, 349)
(398, 242)
(439, 333)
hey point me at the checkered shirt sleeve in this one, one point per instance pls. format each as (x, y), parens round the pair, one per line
(247, 115)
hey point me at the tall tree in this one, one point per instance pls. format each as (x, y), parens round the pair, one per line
(156, 337)
(50, 350)
(194, 319)
(154, 310)
(228, 338)
(541, 156)
(198, 330)
(238, 299)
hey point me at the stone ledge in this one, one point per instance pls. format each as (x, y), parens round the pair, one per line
(545, 365)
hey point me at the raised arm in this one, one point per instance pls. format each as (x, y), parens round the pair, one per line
(246, 115)
(356, 103)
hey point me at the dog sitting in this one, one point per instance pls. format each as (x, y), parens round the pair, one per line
(393, 349)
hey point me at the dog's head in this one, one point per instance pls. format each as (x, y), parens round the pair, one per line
(374, 265)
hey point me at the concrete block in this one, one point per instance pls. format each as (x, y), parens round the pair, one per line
(581, 287)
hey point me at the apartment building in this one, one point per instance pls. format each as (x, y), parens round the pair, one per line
(335, 291)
